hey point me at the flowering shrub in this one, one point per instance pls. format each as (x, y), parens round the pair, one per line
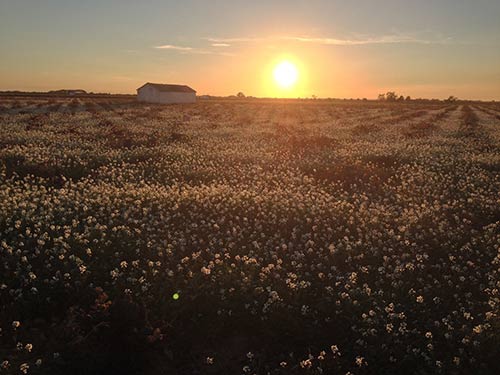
(250, 237)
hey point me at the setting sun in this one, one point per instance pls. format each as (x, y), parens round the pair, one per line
(285, 74)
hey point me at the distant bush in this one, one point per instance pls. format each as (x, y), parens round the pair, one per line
(469, 117)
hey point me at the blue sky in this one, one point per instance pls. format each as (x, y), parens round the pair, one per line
(343, 48)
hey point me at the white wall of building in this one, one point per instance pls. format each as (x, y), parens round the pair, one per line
(151, 95)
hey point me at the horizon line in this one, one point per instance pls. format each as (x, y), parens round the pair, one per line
(362, 98)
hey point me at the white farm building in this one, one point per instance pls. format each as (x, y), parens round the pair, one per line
(165, 94)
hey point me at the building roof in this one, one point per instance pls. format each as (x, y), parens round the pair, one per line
(168, 88)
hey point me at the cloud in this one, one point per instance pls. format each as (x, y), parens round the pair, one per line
(219, 43)
(385, 39)
(193, 50)
(210, 52)
(234, 40)
(334, 41)
(176, 48)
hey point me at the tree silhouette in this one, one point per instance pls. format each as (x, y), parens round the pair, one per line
(391, 96)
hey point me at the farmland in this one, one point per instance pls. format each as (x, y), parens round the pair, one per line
(249, 237)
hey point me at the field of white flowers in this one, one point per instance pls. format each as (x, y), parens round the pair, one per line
(301, 237)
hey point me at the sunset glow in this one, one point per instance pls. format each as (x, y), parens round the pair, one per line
(329, 49)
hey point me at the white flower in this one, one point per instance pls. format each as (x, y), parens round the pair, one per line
(335, 350)
(360, 361)
(24, 367)
(306, 363)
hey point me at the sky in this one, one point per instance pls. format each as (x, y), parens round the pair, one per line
(342, 49)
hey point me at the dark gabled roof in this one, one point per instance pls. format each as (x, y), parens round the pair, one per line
(168, 88)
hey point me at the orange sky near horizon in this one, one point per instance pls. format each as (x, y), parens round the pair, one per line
(341, 50)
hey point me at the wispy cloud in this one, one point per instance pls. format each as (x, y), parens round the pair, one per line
(176, 48)
(335, 41)
(193, 50)
(234, 40)
(385, 39)
(222, 45)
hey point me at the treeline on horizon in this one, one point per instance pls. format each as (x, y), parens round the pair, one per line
(390, 97)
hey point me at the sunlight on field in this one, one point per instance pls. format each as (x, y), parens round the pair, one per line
(352, 231)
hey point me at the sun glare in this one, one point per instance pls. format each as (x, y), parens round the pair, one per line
(285, 74)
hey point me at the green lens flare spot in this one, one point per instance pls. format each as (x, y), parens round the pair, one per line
(175, 296)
